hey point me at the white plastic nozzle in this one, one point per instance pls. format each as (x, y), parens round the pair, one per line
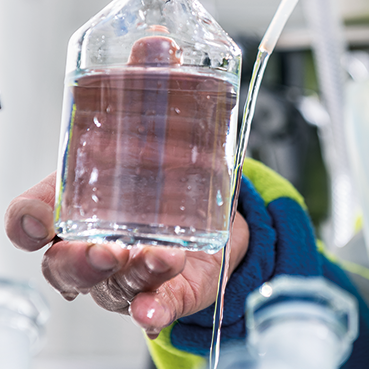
(276, 26)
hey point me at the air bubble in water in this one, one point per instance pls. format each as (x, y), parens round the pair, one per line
(94, 176)
(97, 123)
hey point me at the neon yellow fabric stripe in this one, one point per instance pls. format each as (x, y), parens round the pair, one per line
(269, 184)
(166, 356)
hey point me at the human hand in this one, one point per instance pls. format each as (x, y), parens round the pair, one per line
(155, 285)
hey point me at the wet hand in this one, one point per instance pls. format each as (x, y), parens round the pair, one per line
(155, 285)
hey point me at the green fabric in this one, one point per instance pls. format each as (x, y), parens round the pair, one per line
(166, 356)
(269, 184)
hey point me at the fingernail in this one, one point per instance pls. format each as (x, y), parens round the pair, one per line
(33, 227)
(101, 259)
(154, 264)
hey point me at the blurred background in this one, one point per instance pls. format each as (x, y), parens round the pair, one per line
(292, 133)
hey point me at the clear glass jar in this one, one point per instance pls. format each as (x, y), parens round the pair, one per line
(295, 323)
(149, 128)
(23, 314)
(299, 322)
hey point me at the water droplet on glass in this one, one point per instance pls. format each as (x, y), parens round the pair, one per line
(208, 97)
(94, 176)
(84, 144)
(97, 123)
(182, 208)
(177, 229)
(189, 188)
(219, 199)
(95, 198)
(94, 189)
(192, 229)
(141, 129)
(108, 109)
(177, 110)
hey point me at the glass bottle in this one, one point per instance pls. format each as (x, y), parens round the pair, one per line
(23, 314)
(295, 323)
(298, 322)
(149, 127)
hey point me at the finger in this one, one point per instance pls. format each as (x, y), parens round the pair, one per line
(147, 269)
(151, 312)
(72, 267)
(154, 311)
(193, 290)
(29, 218)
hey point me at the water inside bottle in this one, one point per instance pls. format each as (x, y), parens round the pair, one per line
(148, 157)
